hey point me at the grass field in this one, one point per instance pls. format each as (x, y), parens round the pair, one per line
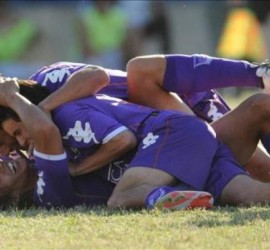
(81, 228)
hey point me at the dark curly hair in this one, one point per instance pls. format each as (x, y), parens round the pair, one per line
(25, 201)
(34, 92)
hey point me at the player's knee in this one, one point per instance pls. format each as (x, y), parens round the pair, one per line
(260, 105)
(145, 66)
(114, 202)
(135, 66)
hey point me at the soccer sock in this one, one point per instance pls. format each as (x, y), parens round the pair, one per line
(155, 194)
(188, 74)
(210, 107)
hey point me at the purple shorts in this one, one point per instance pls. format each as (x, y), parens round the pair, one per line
(223, 170)
(187, 148)
(182, 146)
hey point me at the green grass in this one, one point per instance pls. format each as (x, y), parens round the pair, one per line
(82, 228)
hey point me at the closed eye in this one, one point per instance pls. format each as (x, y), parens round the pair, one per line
(17, 132)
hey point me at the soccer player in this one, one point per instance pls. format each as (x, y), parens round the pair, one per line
(162, 74)
(163, 135)
(50, 184)
(75, 80)
(185, 75)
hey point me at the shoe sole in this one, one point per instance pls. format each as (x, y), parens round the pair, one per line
(183, 200)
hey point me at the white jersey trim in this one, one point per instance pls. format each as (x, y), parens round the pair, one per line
(113, 134)
(50, 157)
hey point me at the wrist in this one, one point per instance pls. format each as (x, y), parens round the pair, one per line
(44, 107)
(12, 100)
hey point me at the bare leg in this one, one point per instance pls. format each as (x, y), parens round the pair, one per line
(145, 77)
(259, 166)
(242, 127)
(244, 191)
(145, 80)
(134, 186)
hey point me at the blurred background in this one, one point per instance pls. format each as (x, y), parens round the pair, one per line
(109, 33)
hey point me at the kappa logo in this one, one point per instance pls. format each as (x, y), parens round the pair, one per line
(40, 185)
(55, 76)
(200, 60)
(149, 140)
(213, 112)
(81, 134)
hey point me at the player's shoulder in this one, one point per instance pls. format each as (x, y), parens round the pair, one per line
(57, 68)
(56, 74)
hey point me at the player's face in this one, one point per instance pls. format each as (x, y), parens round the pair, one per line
(17, 130)
(13, 176)
(7, 143)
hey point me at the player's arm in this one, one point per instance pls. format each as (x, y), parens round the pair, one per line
(107, 153)
(85, 82)
(43, 132)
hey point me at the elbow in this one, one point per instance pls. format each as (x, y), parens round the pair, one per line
(122, 144)
(128, 142)
(98, 75)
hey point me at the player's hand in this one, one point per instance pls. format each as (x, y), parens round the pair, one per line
(8, 87)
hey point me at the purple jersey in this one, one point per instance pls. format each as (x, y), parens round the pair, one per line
(87, 123)
(162, 135)
(56, 188)
(55, 75)
(92, 121)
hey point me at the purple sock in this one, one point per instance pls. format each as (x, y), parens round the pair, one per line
(158, 192)
(196, 73)
(209, 107)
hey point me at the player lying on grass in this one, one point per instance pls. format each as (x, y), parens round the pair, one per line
(161, 135)
(49, 183)
(191, 77)
(182, 74)
(46, 182)
(201, 72)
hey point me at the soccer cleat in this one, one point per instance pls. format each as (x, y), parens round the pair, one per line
(183, 200)
(263, 71)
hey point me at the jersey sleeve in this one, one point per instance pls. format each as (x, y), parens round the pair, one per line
(86, 127)
(54, 186)
(54, 76)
